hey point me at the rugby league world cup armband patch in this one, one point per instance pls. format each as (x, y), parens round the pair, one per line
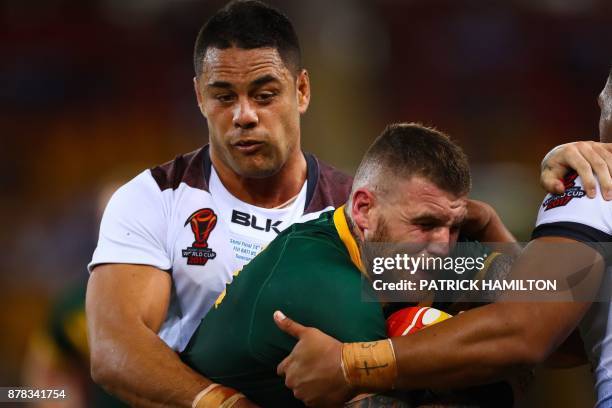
(571, 191)
(202, 223)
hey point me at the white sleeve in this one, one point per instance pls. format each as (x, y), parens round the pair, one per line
(573, 215)
(134, 226)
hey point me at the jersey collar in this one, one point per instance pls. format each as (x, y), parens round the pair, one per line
(347, 238)
(351, 245)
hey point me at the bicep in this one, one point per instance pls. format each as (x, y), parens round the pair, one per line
(575, 267)
(124, 294)
(548, 317)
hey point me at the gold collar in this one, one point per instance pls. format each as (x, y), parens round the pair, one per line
(347, 238)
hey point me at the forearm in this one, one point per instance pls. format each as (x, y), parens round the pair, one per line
(496, 235)
(496, 231)
(486, 344)
(482, 345)
(485, 225)
(126, 306)
(492, 342)
(477, 347)
(139, 368)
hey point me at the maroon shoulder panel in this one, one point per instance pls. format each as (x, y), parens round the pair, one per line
(332, 188)
(187, 168)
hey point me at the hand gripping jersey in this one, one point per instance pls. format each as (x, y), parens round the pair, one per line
(179, 217)
(573, 215)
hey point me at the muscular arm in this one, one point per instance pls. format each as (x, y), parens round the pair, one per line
(492, 342)
(479, 346)
(126, 305)
(485, 225)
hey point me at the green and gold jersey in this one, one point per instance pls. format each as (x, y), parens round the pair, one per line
(311, 272)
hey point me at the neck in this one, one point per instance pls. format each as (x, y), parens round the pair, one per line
(355, 232)
(267, 192)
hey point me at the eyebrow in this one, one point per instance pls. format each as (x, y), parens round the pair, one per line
(429, 219)
(263, 80)
(254, 84)
(219, 84)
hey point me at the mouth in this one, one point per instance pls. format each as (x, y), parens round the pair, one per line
(247, 146)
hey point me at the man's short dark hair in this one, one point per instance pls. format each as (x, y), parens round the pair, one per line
(409, 149)
(248, 24)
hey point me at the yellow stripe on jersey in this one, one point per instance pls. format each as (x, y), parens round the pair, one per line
(347, 238)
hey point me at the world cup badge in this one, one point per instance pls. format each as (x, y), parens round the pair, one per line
(202, 223)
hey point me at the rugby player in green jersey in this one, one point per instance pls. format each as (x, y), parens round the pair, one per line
(411, 186)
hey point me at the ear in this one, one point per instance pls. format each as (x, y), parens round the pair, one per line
(303, 91)
(199, 96)
(362, 204)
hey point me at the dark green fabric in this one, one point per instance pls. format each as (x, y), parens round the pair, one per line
(307, 273)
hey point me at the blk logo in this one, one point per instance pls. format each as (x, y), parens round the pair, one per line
(248, 220)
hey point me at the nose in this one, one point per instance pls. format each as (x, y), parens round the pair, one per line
(245, 116)
(439, 242)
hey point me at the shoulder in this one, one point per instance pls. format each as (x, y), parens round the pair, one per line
(304, 252)
(331, 174)
(139, 196)
(188, 168)
(327, 186)
(320, 230)
(574, 216)
(574, 207)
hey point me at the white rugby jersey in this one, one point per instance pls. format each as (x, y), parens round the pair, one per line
(573, 215)
(178, 217)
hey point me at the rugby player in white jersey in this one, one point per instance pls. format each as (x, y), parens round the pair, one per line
(572, 239)
(172, 237)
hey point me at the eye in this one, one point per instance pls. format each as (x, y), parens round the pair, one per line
(427, 226)
(225, 98)
(264, 96)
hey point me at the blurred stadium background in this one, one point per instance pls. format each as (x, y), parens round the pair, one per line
(92, 92)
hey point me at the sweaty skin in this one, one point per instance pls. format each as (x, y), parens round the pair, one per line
(252, 103)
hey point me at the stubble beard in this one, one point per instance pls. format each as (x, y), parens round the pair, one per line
(380, 245)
